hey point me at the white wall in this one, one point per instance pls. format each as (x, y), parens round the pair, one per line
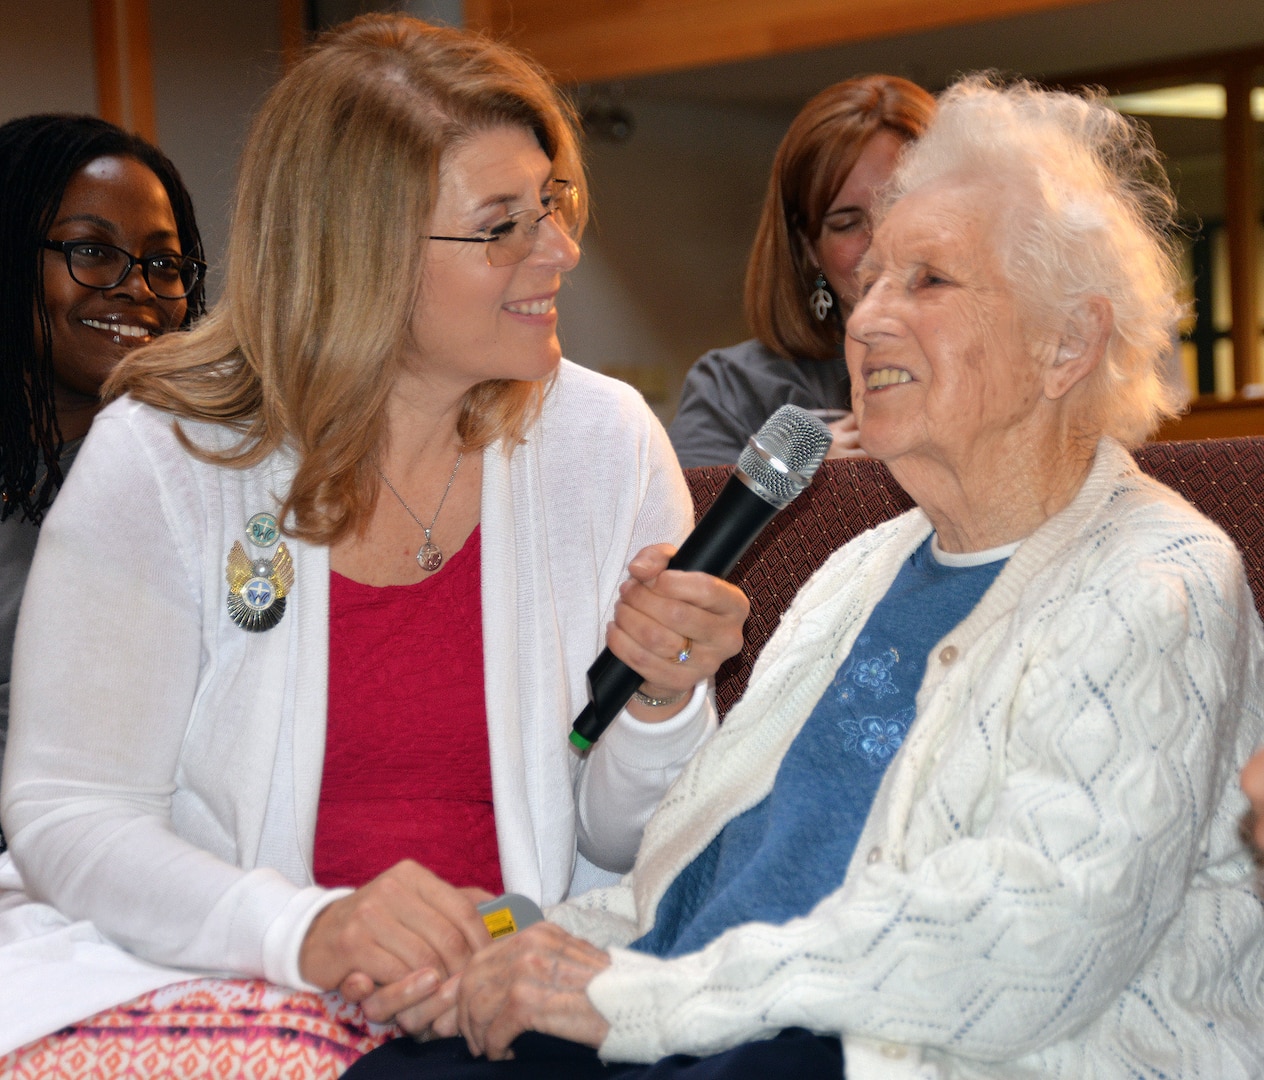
(674, 212)
(211, 63)
(46, 58)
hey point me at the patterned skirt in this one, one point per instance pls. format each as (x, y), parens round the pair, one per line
(207, 1028)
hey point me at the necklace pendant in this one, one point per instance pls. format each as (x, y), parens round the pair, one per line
(429, 557)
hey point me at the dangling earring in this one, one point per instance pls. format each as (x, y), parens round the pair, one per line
(821, 299)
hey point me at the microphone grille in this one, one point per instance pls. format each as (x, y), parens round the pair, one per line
(781, 458)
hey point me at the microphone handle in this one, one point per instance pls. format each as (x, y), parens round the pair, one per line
(728, 528)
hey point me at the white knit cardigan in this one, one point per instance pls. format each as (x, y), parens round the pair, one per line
(1051, 882)
(164, 766)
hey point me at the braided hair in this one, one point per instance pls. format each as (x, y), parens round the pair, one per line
(38, 157)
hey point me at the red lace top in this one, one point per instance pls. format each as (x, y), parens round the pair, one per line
(407, 770)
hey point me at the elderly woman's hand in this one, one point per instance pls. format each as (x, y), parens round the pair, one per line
(1253, 785)
(406, 930)
(662, 614)
(534, 981)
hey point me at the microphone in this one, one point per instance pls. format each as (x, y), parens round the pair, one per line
(778, 462)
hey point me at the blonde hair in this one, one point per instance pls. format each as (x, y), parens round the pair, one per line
(1092, 214)
(335, 192)
(812, 163)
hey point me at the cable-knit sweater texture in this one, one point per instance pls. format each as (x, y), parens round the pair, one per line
(1051, 882)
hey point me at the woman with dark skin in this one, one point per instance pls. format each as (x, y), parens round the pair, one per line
(82, 198)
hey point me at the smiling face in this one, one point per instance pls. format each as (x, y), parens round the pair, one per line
(473, 321)
(941, 364)
(119, 201)
(846, 227)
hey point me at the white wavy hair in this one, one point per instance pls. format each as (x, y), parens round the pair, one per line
(1097, 219)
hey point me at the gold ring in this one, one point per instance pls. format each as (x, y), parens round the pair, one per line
(683, 655)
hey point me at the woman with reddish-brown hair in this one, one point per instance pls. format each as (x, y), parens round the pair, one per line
(800, 281)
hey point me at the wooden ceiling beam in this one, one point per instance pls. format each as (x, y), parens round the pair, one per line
(124, 61)
(292, 16)
(600, 40)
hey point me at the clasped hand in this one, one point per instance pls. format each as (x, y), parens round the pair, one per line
(411, 948)
(392, 942)
(536, 980)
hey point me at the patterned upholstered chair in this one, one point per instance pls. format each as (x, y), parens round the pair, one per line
(1224, 478)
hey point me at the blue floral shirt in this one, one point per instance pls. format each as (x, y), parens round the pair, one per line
(781, 857)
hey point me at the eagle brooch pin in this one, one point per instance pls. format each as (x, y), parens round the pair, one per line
(257, 589)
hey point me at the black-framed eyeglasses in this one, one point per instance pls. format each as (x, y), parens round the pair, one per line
(511, 240)
(96, 265)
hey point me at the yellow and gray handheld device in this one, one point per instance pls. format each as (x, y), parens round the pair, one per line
(508, 914)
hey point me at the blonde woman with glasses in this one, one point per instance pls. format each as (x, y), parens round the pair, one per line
(309, 624)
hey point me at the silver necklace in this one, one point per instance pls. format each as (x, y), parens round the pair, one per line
(429, 557)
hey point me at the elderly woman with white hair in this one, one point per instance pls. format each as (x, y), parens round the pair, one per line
(976, 815)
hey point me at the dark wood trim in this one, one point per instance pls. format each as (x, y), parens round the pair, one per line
(1204, 334)
(1210, 418)
(124, 65)
(597, 40)
(292, 17)
(1212, 66)
(1242, 215)
(105, 48)
(140, 69)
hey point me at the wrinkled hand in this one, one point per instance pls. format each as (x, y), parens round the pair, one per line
(846, 438)
(534, 981)
(405, 926)
(399, 1000)
(658, 609)
(1253, 785)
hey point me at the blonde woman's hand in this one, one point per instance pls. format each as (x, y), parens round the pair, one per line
(405, 1000)
(405, 924)
(659, 612)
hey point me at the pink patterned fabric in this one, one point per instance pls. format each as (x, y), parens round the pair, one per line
(218, 1028)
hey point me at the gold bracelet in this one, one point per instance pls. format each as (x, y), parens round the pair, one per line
(659, 702)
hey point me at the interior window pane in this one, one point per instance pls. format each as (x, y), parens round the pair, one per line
(1186, 118)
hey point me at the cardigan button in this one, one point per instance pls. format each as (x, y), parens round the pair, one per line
(894, 1052)
(874, 856)
(948, 654)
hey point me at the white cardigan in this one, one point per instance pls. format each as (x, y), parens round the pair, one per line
(1051, 882)
(164, 764)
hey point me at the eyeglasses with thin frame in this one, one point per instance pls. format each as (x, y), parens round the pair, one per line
(97, 265)
(511, 240)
